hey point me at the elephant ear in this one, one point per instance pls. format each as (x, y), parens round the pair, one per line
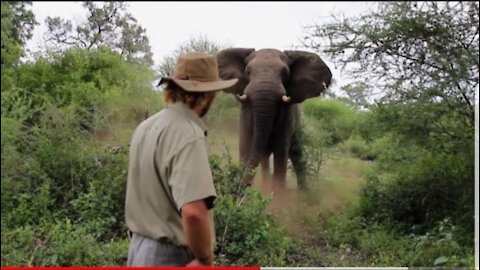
(231, 64)
(309, 75)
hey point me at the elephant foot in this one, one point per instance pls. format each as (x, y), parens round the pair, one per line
(246, 184)
(247, 181)
(280, 195)
(279, 185)
(302, 185)
(266, 176)
(303, 188)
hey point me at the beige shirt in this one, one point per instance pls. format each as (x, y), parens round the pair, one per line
(167, 148)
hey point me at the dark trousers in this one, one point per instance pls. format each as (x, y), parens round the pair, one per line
(144, 251)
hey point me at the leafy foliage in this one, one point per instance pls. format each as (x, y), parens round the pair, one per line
(55, 163)
(199, 44)
(356, 95)
(334, 119)
(424, 58)
(108, 25)
(61, 243)
(425, 52)
(17, 27)
(246, 233)
(81, 81)
(351, 240)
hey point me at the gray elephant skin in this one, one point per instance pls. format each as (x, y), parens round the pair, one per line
(271, 85)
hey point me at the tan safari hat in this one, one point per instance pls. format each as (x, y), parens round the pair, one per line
(198, 72)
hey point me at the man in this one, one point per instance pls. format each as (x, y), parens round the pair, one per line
(170, 189)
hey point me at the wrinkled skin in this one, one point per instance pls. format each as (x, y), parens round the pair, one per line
(271, 84)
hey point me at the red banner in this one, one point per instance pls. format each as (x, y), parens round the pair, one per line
(129, 268)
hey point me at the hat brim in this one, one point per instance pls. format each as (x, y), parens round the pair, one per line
(196, 86)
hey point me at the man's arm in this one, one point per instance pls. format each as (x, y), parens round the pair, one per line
(196, 226)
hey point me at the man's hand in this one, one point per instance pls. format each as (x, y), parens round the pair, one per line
(196, 262)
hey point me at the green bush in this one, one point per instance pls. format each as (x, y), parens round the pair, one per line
(333, 117)
(354, 240)
(93, 83)
(66, 176)
(368, 126)
(439, 247)
(420, 184)
(423, 168)
(416, 193)
(101, 208)
(223, 107)
(54, 166)
(59, 244)
(313, 145)
(246, 234)
(359, 148)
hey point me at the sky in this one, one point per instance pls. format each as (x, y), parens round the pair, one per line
(258, 25)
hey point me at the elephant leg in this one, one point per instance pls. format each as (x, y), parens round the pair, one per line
(298, 161)
(265, 164)
(279, 183)
(266, 176)
(280, 160)
(245, 145)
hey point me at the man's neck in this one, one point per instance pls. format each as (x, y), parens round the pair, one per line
(197, 109)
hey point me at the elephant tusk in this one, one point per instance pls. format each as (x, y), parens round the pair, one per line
(286, 99)
(242, 97)
(324, 85)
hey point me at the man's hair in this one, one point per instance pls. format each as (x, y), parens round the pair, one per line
(173, 93)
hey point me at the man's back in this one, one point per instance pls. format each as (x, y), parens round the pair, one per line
(161, 153)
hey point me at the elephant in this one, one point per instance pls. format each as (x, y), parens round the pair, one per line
(271, 85)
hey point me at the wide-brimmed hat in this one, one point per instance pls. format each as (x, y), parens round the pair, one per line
(198, 72)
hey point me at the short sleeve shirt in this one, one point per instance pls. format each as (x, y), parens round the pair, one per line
(167, 149)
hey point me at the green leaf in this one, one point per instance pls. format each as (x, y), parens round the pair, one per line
(440, 260)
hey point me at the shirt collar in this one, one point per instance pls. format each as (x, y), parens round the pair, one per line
(189, 113)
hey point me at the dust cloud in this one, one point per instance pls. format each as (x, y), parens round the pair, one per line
(296, 209)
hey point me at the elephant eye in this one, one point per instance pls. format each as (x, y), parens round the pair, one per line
(285, 75)
(247, 71)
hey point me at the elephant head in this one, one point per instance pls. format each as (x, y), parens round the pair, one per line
(270, 83)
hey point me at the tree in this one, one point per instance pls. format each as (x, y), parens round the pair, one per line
(425, 52)
(200, 43)
(424, 57)
(17, 27)
(357, 95)
(108, 25)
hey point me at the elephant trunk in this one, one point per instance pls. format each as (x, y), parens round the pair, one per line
(264, 111)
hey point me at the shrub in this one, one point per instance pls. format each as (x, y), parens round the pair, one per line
(95, 84)
(439, 247)
(360, 242)
(101, 208)
(359, 148)
(333, 116)
(421, 191)
(52, 165)
(369, 127)
(59, 244)
(246, 234)
(313, 145)
(223, 107)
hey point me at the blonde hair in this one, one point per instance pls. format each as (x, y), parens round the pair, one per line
(173, 93)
